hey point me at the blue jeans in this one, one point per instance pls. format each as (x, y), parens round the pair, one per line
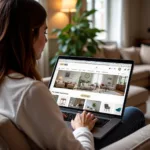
(133, 120)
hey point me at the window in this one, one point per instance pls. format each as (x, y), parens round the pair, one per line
(99, 19)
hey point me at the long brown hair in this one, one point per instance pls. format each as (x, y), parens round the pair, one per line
(20, 21)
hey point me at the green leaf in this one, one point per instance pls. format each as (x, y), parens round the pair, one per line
(64, 48)
(53, 60)
(88, 54)
(83, 25)
(67, 41)
(88, 13)
(91, 48)
(67, 28)
(78, 5)
(55, 31)
(73, 28)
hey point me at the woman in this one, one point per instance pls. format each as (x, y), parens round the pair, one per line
(24, 98)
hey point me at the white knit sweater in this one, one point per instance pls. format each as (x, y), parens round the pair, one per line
(29, 104)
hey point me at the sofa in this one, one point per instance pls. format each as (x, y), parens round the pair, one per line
(13, 139)
(140, 56)
(138, 93)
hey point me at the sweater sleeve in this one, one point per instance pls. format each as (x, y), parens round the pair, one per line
(40, 118)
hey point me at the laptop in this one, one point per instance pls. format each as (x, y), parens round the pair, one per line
(99, 86)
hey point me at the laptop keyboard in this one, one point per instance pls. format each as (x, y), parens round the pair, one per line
(69, 116)
(100, 121)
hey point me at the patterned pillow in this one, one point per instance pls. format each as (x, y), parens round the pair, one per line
(111, 51)
(131, 53)
(145, 54)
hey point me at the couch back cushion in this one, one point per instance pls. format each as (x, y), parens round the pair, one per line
(111, 51)
(12, 136)
(145, 54)
(131, 53)
(99, 53)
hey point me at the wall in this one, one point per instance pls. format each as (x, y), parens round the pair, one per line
(56, 19)
(134, 21)
(124, 20)
(145, 19)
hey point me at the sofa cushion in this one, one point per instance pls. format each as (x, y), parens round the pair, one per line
(142, 82)
(131, 53)
(99, 54)
(137, 95)
(142, 107)
(145, 54)
(111, 51)
(139, 140)
(140, 72)
(3, 144)
(46, 80)
(12, 136)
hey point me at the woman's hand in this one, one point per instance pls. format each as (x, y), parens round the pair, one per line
(83, 120)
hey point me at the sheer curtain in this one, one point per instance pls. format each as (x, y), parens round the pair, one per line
(124, 24)
(43, 63)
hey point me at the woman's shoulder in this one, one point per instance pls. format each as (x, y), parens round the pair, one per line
(18, 82)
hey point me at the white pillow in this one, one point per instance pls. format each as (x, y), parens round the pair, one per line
(111, 51)
(145, 54)
(99, 54)
(130, 54)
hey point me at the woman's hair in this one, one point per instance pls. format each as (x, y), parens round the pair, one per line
(20, 21)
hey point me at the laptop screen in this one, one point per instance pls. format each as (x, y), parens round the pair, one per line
(97, 86)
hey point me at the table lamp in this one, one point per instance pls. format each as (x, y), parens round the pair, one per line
(68, 6)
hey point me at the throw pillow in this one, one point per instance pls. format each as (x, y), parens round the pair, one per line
(111, 51)
(138, 49)
(130, 54)
(99, 54)
(145, 54)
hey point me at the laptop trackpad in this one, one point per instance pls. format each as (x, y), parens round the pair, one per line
(102, 131)
(99, 132)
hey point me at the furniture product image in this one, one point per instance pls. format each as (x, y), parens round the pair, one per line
(107, 107)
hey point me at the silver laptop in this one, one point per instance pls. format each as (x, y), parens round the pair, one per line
(99, 86)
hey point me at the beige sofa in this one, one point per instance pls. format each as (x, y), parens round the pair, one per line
(140, 56)
(13, 139)
(138, 94)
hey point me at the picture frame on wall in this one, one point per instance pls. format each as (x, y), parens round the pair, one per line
(67, 74)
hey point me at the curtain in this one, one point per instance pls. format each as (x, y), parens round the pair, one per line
(43, 63)
(130, 22)
(124, 21)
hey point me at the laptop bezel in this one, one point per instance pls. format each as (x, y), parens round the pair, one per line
(101, 60)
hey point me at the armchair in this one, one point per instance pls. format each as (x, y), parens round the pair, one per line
(13, 139)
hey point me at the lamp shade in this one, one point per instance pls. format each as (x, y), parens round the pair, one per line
(68, 5)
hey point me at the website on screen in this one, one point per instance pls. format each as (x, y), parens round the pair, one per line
(90, 85)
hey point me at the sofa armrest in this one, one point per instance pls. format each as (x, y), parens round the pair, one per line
(138, 140)
(46, 80)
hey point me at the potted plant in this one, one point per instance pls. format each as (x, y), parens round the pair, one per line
(94, 106)
(77, 38)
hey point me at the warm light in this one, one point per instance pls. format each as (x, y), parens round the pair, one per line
(68, 5)
(60, 78)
